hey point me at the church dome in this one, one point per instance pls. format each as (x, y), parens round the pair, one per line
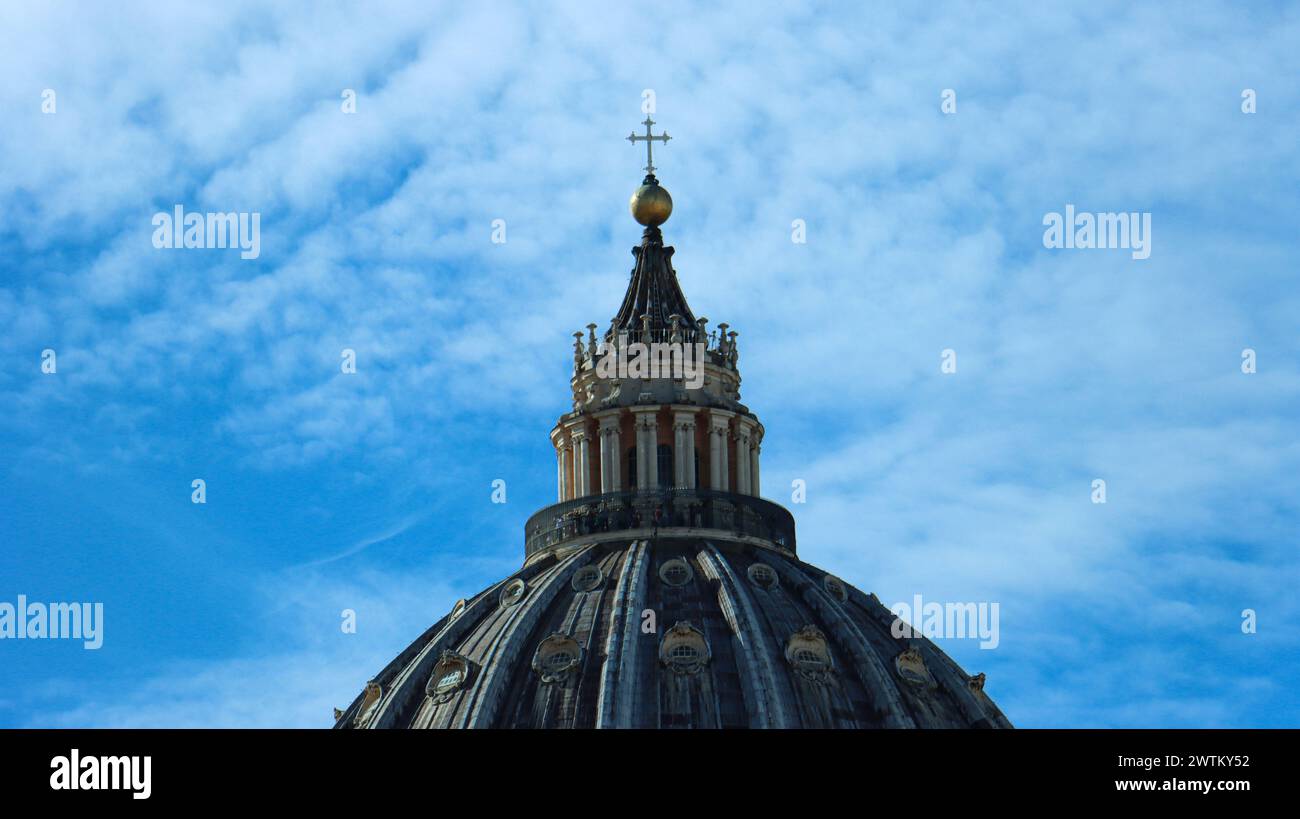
(675, 629)
(661, 590)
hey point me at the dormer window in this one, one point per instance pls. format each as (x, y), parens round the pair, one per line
(809, 655)
(684, 649)
(557, 657)
(450, 674)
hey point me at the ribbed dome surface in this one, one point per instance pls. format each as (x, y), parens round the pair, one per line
(671, 633)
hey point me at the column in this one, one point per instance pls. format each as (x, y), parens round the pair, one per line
(755, 487)
(568, 472)
(718, 462)
(559, 470)
(610, 471)
(678, 446)
(644, 449)
(652, 445)
(684, 449)
(564, 454)
(581, 458)
(742, 455)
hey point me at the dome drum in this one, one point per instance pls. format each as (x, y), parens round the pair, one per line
(639, 513)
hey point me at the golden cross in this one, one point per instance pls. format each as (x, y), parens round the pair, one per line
(649, 140)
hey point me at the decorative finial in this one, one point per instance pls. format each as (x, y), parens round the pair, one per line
(651, 205)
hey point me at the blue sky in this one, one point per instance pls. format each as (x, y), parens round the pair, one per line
(372, 491)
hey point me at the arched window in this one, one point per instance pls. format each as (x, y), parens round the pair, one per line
(665, 466)
(557, 657)
(683, 654)
(664, 456)
(449, 681)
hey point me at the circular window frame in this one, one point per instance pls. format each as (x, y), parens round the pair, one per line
(590, 586)
(773, 579)
(669, 565)
(836, 588)
(512, 593)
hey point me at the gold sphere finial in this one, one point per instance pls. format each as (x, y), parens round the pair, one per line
(650, 204)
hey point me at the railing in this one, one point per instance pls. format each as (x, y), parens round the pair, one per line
(659, 508)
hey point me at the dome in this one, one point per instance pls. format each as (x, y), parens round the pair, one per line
(661, 590)
(697, 622)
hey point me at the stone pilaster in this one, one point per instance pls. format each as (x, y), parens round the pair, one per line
(581, 449)
(741, 437)
(647, 448)
(719, 463)
(755, 487)
(611, 471)
(564, 463)
(684, 449)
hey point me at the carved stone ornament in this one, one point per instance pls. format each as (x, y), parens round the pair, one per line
(684, 649)
(911, 667)
(369, 703)
(556, 658)
(809, 655)
(450, 674)
(763, 576)
(835, 588)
